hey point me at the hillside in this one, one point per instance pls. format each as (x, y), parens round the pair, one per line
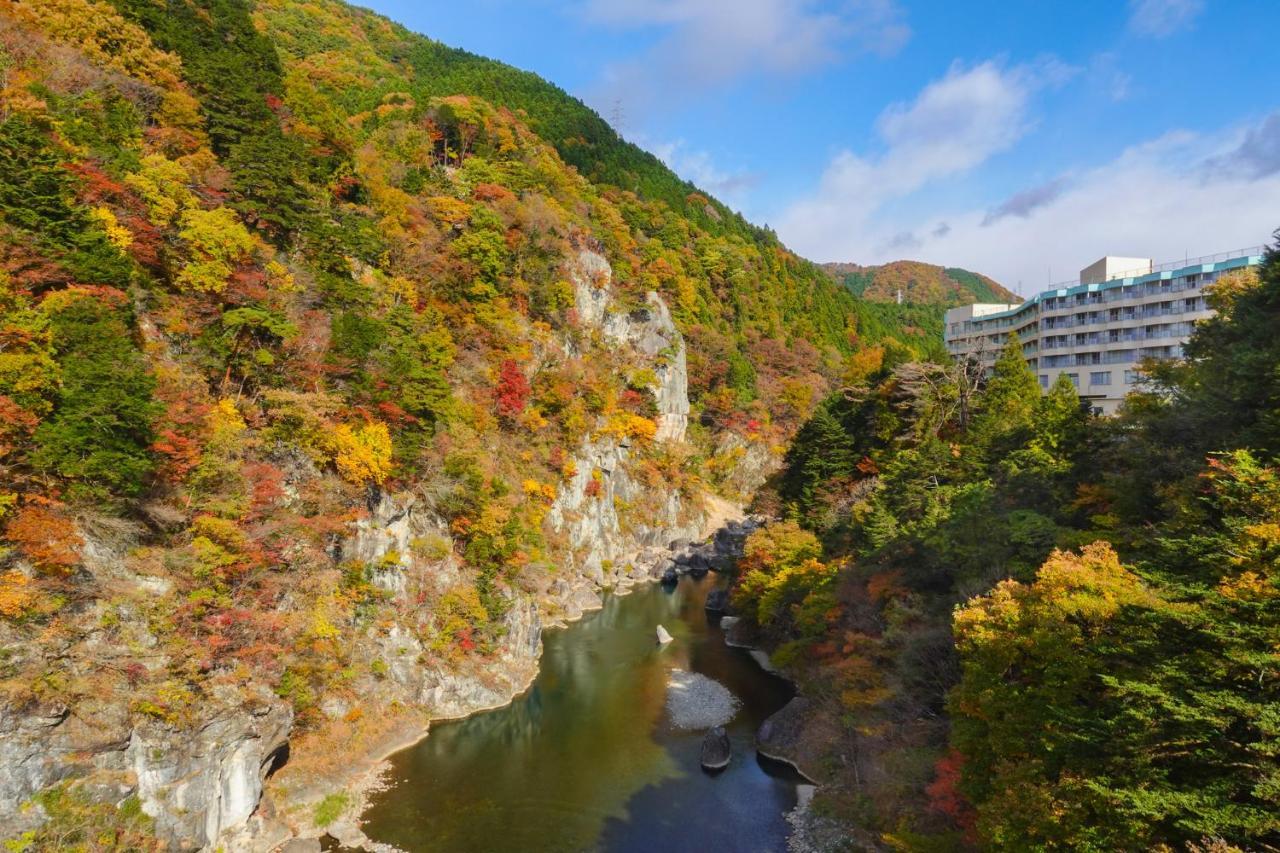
(334, 365)
(919, 283)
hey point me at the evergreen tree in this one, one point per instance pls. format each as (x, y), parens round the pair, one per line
(100, 430)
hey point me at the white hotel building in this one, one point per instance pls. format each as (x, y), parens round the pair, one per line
(1097, 330)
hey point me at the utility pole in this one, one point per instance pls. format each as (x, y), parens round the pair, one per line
(617, 117)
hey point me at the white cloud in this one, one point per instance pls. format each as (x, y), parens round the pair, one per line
(1162, 18)
(698, 166)
(1181, 194)
(953, 125)
(703, 44)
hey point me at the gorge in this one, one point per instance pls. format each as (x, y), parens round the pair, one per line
(368, 405)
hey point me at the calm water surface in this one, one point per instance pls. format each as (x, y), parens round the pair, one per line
(586, 759)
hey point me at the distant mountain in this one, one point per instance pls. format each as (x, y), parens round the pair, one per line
(920, 283)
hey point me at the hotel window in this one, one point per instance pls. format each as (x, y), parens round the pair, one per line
(1075, 379)
(1132, 376)
(1101, 377)
(1044, 380)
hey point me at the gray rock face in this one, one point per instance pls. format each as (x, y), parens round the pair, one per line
(199, 785)
(718, 600)
(716, 749)
(663, 636)
(780, 736)
(607, 548)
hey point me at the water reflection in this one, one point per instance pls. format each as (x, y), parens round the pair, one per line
(586, 760)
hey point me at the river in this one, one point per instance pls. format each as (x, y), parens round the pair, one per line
(586, 759)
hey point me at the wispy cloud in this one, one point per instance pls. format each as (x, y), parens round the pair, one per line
(705, 44)
(1257, 155)
(955, 124)
(1022, 204)
(699, 167)
(1178, 194)
(1162, 18)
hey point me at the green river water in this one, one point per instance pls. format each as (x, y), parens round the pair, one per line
(587, 760)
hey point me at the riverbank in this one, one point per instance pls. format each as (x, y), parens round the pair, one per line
(591, 757)
(347, 762)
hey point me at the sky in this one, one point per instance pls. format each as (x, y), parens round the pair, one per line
(1023, 139)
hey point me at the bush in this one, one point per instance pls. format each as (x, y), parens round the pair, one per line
(331, 808)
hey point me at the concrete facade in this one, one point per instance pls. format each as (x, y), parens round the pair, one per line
(1099, 329)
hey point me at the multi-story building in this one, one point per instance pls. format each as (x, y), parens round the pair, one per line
(1097, 330)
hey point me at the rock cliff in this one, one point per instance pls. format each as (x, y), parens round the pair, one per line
(199, 772)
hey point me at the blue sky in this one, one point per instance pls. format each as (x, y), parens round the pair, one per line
(1020, 139)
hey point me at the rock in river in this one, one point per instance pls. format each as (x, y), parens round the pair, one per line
(663, 636)
(697, 702)
(716, 749)
(718, 600)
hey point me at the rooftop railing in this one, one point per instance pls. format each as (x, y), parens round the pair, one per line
(1170, 266)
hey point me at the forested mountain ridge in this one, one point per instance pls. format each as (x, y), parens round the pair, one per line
(325, 382)
(919, 283)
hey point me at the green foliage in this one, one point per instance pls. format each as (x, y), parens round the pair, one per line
(100, 430)
(231, 66)
(77, 821)
(330, 808)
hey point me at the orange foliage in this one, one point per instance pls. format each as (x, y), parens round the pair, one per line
(48, 539)
(16, 596)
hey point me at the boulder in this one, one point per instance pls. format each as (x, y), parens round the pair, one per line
(718, 600)
(782, 736)
(663, 636)
(301, 845)
(670, 577)
(716, 749)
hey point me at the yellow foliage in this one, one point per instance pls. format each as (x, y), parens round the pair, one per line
(103, 35)
(217, 241)
(225, 424)
(162, 183)
(449, 210)
(117, 234)
(363, 453)
(16, 596)
(625, 425)
(532, 419)
(279, 277)
(545, 491)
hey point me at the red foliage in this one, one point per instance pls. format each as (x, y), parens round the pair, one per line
(491, 192)
(512, 393)
(944, 793)
(633, 400)
(16, 424)
(346, 188)
(48, 538)
(266, 486)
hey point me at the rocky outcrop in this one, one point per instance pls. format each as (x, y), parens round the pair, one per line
(196, 780)
(716, 749)
(201, 774)
(606, 547)
(782, 737)
(721, 553)
(717, 601)
(198, 785)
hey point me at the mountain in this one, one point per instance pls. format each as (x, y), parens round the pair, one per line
(334, 364)
(919, 283)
